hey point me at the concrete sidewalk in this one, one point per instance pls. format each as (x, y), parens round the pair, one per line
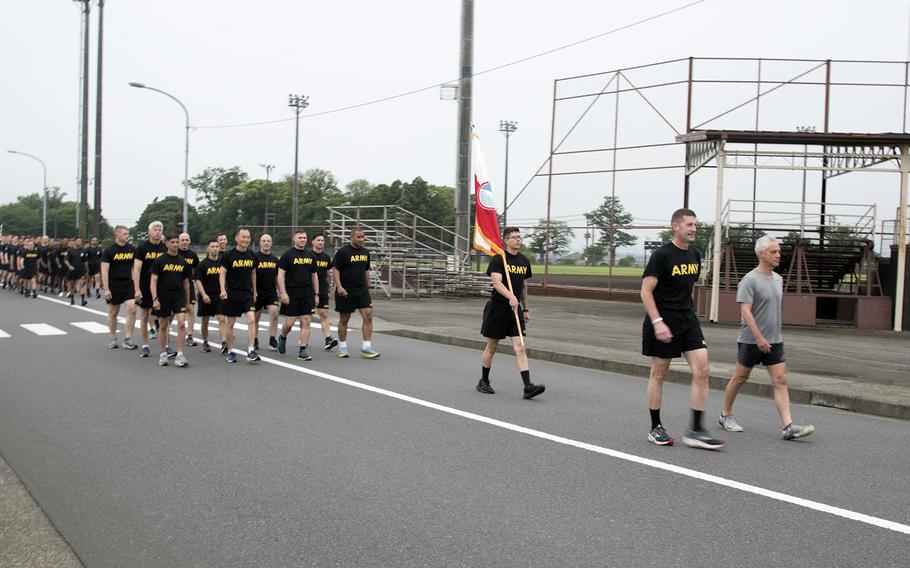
(859, 370)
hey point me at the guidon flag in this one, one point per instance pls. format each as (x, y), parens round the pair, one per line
(487, 237)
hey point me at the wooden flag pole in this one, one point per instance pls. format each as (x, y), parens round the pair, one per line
(505, 266)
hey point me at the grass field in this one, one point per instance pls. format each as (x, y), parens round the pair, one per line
(588, 270)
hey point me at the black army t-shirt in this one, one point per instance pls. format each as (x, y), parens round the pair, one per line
(93, 256)
(519, 271)
(76, 257)
(240, 267)
(266, 273)
(298, 266)
(207, 273)
(171, 272)
(352, 264)
(677, 272)
(120, 262)
(147, 253)
(323, 265)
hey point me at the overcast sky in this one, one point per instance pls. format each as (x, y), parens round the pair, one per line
(234, 62)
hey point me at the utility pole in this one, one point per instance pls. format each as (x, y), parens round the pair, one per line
(298, 103)
(462, 173)
(268, 188)
(97, 201)
(507, 127)
(82, 213)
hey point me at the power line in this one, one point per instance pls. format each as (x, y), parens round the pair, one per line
(485, 71)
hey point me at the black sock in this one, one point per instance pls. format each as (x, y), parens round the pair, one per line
(484, 374)
(526, 378)
(655, 417)
(696, 419)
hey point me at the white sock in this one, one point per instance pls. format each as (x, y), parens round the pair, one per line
(342, 344)
(180, 353)
(366, 345)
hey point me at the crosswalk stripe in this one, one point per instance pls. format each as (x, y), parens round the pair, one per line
(3, 334)
(42, 329)
(90, 326)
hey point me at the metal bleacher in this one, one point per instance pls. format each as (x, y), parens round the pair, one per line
(412, 256)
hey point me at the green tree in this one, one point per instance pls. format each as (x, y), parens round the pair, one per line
(627, 260)
(170, 212)
(594, 255)
(24, 216)
(560, 238)
(609, 218)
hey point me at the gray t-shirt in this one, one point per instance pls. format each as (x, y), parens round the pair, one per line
(765, 293)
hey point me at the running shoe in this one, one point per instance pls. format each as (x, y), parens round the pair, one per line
(729, 423)
(181, 361)
(252, 357)
(342, 353)
(484, 387)
(303, 355)
(170, 352)
(231, 357)
(162, 359)
(145, 352)
(190, 341)
(206, 348)
(659, 436)
(114, 344)
(153, 333)
(224, 349)
(330, 343)
(369, 353)
(533, 390)
(273, 344)
(128, 344)
(256, 344)
(701, 439)
(794, 431)
(282, 344)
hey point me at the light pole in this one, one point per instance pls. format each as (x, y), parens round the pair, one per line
(802, 205)
(507, 127)
(44, 201)
(268, 170)
(298, 103)
(186, 153)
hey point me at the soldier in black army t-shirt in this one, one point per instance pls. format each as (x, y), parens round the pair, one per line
(208, 290)
(298, 289)
(501, 312)
(192, 259)
(146, 254)
(237, 278)
(351, 273)
(117, 280)
(267, 290)
(323, 267)
(170, 289)
(671, 328)
(74, 261)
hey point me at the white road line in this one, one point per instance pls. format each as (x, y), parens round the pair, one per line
(42, 329)
(776, 495)
(3, 334)
(90, 326)
(694, 474)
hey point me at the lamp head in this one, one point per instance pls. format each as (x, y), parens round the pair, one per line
(137, 85)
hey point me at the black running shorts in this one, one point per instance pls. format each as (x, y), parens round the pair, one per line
(170, 306)
(687, 335)
(269, 298)
(352, 302)
(748, 355)
(145, 286)
(499, 321)
(207, 310)
(121, 291)
(237, 303)
(323, 303)
(302, 303)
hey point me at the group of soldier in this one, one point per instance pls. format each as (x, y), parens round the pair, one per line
(163, 281)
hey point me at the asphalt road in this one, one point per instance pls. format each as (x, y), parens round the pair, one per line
(399, 462)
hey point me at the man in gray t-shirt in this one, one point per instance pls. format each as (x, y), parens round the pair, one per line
(760, 295)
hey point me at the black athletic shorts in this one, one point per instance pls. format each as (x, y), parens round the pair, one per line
(28, 274)
(121, 291)
(269, 298)
(353, 302)
(302, 303)
(74, 274)
(237, 303)
(499, 321)
(323, 303)
(170, 306)
(748, 355)
(203, 309)
(686, 330)
(145, 286)
(94, 269)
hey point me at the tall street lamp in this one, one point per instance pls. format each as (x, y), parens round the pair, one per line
(44, 201)
(186, 156)
(268, 187)
(298, 103)
(507, 127)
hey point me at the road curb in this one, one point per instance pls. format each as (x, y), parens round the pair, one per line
(830, 397)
